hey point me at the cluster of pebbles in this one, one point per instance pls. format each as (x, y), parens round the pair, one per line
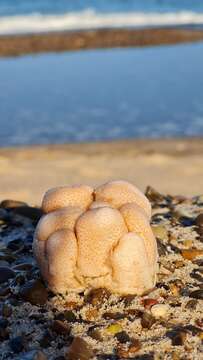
(166, 323)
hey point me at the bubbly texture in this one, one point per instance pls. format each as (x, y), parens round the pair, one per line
(96, 238)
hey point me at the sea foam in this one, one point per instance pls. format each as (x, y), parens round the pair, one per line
(90, 19)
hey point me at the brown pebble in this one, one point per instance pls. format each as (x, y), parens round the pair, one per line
(91, 314)
(128, 299)
(154, 195)
(34, 292)
(79, 350)
(190, 254)
(147, 320)
(113, 316)
(95, 334)
(69, 316)
(60, 327)
(199, 220)
(179, 337)
(97, 297)
(29, 212)
(126, 352)
(191, 304)
(197, 294)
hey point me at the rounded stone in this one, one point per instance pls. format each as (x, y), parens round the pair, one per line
(160, 310)
(5, 274)
(34, 292)
(199, 220)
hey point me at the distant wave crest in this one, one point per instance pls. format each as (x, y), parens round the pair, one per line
(89, 19)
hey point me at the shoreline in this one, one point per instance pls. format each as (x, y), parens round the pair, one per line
(17, 45)
(171, 166)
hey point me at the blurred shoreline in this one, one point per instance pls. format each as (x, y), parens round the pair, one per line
(173, 166)
(17, 45)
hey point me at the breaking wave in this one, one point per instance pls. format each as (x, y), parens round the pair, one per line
(90, 19)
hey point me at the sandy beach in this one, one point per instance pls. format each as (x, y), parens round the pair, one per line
(16, 45)
(173, 166)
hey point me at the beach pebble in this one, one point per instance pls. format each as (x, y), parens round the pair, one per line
(130, 351)
(97, 297)
(154, 195)
(147, 320)
(114, 329)
(6, 255)
(69, 316)
(160, 310)
(160, 232)
(178, 338)
(199, 220)
(79, 350)
(5, 274)
(95, 334)
(197, 294)
(113, 316)
(34, 292)
(148, 303)
(60, 328)
(122, 337)
(29, 212)
(190, 254)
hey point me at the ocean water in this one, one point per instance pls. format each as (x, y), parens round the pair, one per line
(24, 16)
(102, 94)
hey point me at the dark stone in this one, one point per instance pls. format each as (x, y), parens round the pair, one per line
(16, 245)
(144, 357)
(29, 212)
(178, 339)
(3, 323)
(7, 255)
(69, 316)
(34, 292)
(5, 274)
(199, 220)
(23, 267)
(113, 316)
(147, 320)
(122, 337)
(197, 294)
(60, 327)
(17, 344)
